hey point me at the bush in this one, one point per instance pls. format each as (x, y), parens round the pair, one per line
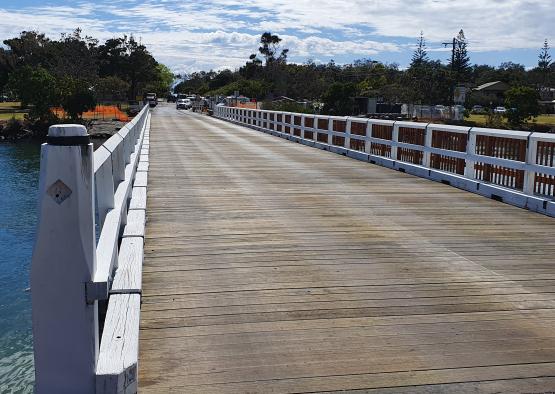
(287, 106)
(522, 104)
(495, 121)
(339, 99)
(35, 86)
(76, 97)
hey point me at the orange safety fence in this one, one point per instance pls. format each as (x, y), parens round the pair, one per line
(247, 104)
(101, 112)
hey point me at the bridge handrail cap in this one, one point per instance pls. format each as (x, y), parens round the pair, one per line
(67, 130)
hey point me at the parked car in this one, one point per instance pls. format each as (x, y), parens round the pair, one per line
(134, 108)
(172, 98)
(151, 99)
(478, 109)
(183, 104)
(500, 110)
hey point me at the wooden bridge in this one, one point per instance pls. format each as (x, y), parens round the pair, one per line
(273, 267)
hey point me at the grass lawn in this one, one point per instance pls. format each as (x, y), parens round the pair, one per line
(542, 119)
(10, 105)
(17, 115)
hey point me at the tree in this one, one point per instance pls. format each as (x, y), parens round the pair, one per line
(162, 83)
(111, 88)
(7, 65)
(339, 99)
(74, 56)
(129, 60)
(35, 87)
(252, 68)
(522, 102)
(544, 58)
(30, 49)
(460, 62)
(76, 96)
(222, 78)
(420, 54)
(270, 47)
(545, 66)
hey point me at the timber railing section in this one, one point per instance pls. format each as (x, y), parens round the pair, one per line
(87, 261)
(516, 167)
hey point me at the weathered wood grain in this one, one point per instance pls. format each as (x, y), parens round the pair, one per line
(274, 267)
(116, 368)
(138, 198)
(128, 277)
(141, 179)
(135, 226)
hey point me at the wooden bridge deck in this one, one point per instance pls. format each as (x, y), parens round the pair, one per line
(274, 267)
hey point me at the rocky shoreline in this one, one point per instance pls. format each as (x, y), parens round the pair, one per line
(16, 130)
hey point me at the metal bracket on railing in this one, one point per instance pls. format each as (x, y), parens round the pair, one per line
(96, 291)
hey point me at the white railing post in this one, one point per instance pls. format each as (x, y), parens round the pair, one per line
(303, 117)
(367, 141)
(347, 144)
(426, 159)
(470, 152)
(330, 130)
(394, 141)
(530, 174)
(65, 326)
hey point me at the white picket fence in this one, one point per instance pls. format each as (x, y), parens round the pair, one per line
(87, 261)
(516, 167)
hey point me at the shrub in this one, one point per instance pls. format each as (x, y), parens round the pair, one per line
(522, 104)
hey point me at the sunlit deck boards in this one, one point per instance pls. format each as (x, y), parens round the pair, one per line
(275, 267)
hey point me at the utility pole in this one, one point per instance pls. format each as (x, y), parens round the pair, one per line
(445, 44)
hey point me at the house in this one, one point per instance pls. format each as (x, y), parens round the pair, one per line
(284, 99)
(493, 92)
(547, 100)
(365, 105)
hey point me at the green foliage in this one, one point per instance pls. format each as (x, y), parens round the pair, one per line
(111, 88)
(35, 87)
(76, 96)
(544, 58)
(287, 106)
(72, 70)
(269, 47)
(494, 120)
(339, 99)
(460, 62)
(250, 88)
(163, 81)
(420, 55)
(522, 104)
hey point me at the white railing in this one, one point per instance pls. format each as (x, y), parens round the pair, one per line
(516, 167)
(87, 261)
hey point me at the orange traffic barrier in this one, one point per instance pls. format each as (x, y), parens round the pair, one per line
(104, 112)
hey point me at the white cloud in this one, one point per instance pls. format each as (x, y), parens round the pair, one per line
(210, 34)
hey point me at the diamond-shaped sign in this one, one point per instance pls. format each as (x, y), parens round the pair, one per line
(59, 191)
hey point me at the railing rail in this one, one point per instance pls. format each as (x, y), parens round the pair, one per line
(513, 166)
(87, 260)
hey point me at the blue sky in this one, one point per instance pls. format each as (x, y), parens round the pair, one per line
(202, 35)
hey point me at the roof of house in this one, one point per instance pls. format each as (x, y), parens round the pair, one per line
(496, 85)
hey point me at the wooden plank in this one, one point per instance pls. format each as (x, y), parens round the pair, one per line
(140, 179)
(138, 198)
(135, 226)
(142, 166)
(116, 368)
(128, 277)
(271, 266)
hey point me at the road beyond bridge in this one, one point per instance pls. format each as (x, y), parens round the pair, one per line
(273, 267)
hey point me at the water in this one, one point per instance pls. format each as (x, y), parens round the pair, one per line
(19, 175)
